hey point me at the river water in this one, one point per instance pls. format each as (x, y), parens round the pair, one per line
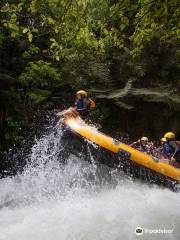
(71, 199)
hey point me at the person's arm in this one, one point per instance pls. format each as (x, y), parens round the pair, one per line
(134, 144)
(177, 149)
(75, 103)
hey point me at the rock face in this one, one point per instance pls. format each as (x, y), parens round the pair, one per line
(150, 111)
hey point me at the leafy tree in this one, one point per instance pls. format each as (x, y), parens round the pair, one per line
(47, 46)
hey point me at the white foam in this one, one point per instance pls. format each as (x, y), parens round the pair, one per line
(78, 201)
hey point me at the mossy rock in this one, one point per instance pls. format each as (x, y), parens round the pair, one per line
(128, 96)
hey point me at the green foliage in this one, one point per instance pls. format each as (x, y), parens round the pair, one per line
(41, 75)
(100, 114)
(49, 44)
(37, 96)
(39, 79)
(156, 20)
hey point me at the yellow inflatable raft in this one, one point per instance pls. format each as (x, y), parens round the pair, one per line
(77, 125)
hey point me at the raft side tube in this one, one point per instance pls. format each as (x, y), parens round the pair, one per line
(108, 143)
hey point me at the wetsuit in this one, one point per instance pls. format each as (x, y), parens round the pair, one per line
(83, 106)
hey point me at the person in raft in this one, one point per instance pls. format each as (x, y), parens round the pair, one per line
(83, 103)
(161, 152)
(143, 145)
(163, 148)
(172, 148)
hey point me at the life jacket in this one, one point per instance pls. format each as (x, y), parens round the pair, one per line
(79, 104)
(91, 103)
(86, 104)
(166, 150)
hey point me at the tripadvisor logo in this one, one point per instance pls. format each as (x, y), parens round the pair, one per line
(138, 231)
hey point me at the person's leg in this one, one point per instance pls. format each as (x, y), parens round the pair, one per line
(84, 114)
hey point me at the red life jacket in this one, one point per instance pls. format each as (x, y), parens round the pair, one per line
(92, 104)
